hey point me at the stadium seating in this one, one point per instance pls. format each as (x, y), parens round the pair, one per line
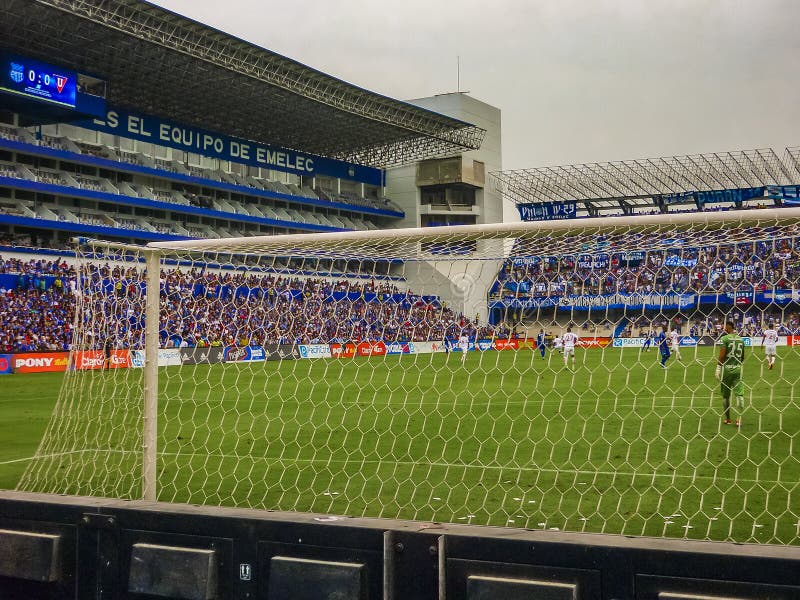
(384, 310)
(38, 302)
(758, 266)
(231, 204)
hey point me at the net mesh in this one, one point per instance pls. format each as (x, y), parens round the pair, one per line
(432, 375)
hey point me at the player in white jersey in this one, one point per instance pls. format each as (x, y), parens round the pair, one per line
(770, 342)
(675, 342)
(558, 344)
(569, 339)
(463, 345)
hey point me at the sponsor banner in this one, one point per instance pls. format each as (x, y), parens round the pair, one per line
(677, 261)
(686, 341)
(347, 350)
(371, 349)
(632, 342)
(40, 362)
(759, 341)
(281, 352)
(202, 356)
(484, 345)
(6, 361)
(314, 350)
(398, 348)
(167, 357)
(244, 354)
(431, 347)
(88, 360)
(503, 344)
(548, 211)
(595, 342)
(794, 340)
(457, 348)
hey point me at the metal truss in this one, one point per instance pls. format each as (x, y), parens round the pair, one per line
(792, 161)
(650, 177)
(158, 62)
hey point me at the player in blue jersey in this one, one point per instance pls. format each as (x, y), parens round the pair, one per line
(540, 342)
(648, 339)
(663, 346)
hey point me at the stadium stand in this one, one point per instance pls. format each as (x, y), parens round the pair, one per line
(278, 206)
(38, 300)
(323, 309)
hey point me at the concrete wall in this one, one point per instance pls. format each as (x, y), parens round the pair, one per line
(400, 181)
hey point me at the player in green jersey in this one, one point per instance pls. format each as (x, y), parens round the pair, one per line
(729, 371)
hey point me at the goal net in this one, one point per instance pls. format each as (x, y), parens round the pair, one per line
(557, 375)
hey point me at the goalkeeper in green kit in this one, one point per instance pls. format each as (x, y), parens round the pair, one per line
(729, 371)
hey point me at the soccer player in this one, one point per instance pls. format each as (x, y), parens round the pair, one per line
(663, 346)
(648, 339)
(558, 344)
(729, 371)
(675, 342)
(446, 343)
(107, 348)
(569, 339)
(770, 342)
(463, 345)
(540, 342)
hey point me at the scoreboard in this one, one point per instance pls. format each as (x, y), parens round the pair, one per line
(36, 80)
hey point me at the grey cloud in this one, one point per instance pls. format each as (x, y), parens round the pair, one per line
(577, 80)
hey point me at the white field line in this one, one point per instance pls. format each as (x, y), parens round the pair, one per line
(328, 461)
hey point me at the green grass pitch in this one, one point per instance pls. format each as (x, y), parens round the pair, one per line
(617, 445)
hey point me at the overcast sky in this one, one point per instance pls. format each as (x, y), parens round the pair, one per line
(576, 80)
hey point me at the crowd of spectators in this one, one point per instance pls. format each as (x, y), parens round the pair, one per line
(722, 268)
(205, 308)
(210, 307)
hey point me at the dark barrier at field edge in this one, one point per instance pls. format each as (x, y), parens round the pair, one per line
(202, 356)
(218, 354)
(281, 352)
(62, 547)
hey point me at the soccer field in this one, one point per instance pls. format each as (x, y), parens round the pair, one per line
(617, 445)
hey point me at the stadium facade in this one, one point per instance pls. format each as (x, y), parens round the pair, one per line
(452, 190)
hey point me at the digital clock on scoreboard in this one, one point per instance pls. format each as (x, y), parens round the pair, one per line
(36, 80)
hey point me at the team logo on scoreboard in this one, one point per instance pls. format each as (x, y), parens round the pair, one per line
(17, 73)
(61, 81)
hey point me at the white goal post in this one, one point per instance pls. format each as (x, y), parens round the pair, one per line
(421, 374)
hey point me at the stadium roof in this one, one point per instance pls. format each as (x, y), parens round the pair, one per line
(164, 64)
(649, 177)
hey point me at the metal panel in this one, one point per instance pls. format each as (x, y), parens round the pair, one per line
(656, 587)
(671, 596)
(173, 572)
(30, 556)
(303, 579)
(500, 588)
